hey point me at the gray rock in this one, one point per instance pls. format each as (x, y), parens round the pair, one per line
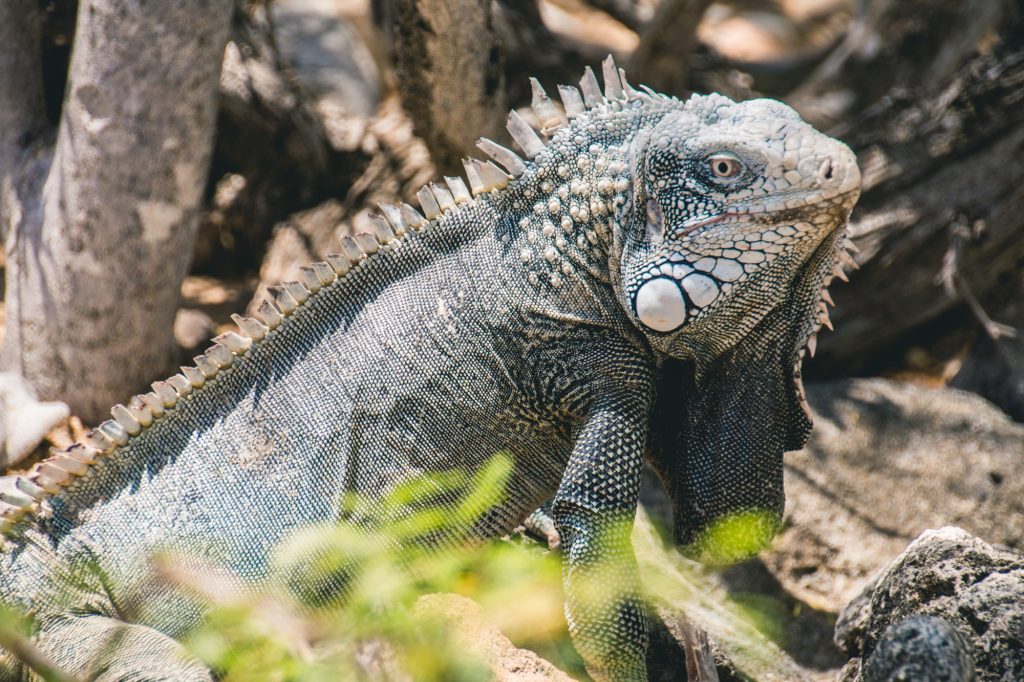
(976, 588)
(921, 648)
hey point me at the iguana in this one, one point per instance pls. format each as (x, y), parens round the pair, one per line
(643, 282)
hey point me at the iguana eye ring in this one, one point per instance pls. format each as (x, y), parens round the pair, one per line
(724, 165)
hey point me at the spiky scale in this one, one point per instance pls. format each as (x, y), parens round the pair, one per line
(473, 175)
(194, 376)
(49, 476)
(506, 157)
(236, 344)
(628, 89)
(394, 216)
(114, 431)
(351, 248)
(428, 202)
(839, 273)
(15, 498)
(572, 101)
(283, 299)
(84, 453)
(824, 319)
(249, 326)
(166, 393)
(324, 272)
(367, 242)
(99, 439)
(492, 176)
(460, 193)
(525, 136)
(10, 511)
(846, 259)
(297, 291)
(69, 464)
(381, 228)
(412, 216)
(547, 113)
(590, 88)
(181, 384)
(310, 279)
(812, 344)
(207, 367)
(445, 200)
(827, 297)
(31, 489)
(220, 355)
(140, 411)
(339, 264)
(612, 84)
(153, 403)
(126, 420)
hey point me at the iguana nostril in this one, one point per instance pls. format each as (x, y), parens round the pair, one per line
(826, 170)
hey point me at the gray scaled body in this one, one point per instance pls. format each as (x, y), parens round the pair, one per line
(642, 284)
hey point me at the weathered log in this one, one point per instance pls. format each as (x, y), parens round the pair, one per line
(940, 219)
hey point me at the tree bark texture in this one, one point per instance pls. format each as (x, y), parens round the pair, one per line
(100, 231)
(940, 221)
(450, 75)
(21, 83)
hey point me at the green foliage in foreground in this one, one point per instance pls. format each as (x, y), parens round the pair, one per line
(343, 603)
(346, 600)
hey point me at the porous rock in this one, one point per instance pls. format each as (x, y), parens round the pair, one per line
(976, 588)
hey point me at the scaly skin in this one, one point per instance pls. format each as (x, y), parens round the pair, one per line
(644, 286)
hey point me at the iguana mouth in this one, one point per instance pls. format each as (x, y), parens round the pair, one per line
(695, 224)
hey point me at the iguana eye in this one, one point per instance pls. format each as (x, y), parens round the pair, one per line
(724, 165)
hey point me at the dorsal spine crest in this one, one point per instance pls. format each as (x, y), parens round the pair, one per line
(58, 472)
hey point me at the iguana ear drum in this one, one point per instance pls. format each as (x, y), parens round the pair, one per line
(659, 304)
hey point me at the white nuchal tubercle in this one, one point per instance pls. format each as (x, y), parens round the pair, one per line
(660, 305)
(701, 289)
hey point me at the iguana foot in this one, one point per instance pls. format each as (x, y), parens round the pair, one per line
(541, 526)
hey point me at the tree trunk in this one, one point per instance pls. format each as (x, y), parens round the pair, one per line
(22, 112)
(662, 59)
(99, 234)
(450, 74)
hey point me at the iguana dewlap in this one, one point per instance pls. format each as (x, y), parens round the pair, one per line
(642, 283)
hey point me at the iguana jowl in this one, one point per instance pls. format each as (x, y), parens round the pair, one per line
(644, 282)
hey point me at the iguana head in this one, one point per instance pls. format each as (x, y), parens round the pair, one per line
(731, 231)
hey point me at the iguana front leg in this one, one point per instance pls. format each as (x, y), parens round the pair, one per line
(594, 509)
